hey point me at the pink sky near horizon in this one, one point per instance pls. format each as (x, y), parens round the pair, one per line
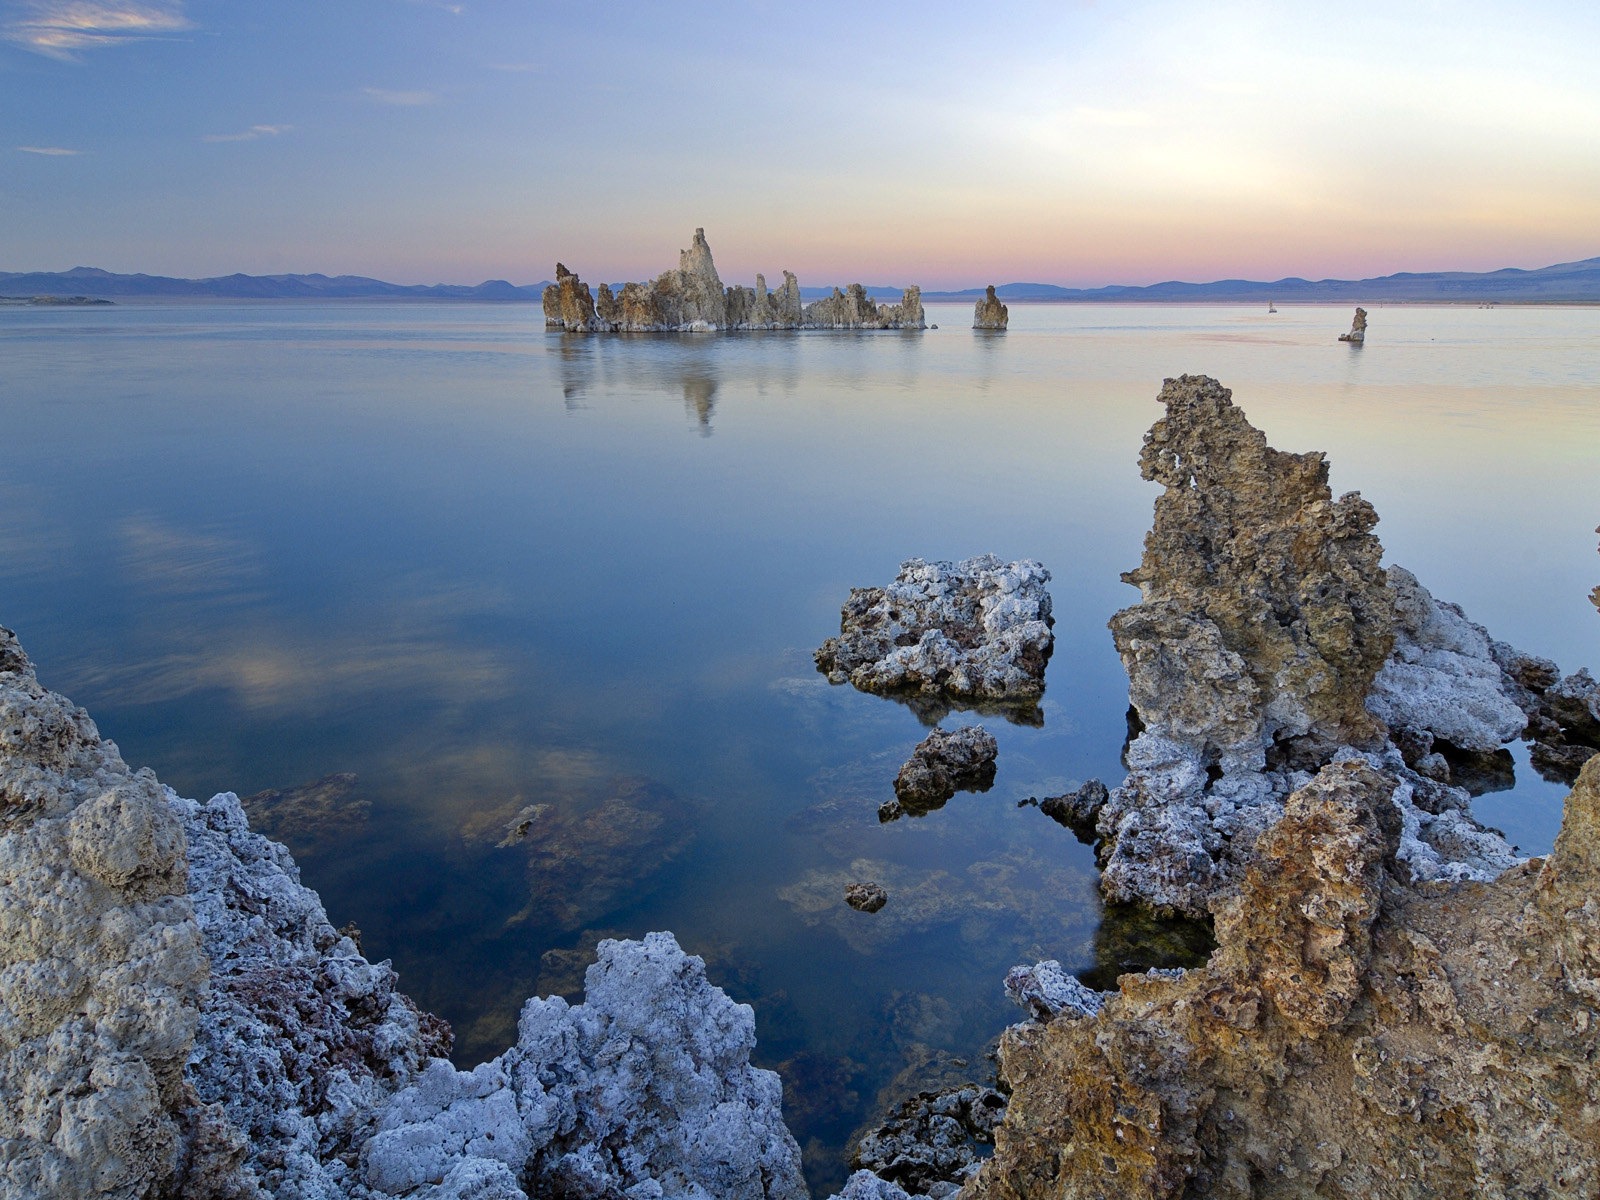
(1071, 143)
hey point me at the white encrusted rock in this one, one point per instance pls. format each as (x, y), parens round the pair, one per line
(1046, 992)
(974, 631)
(1443, 676)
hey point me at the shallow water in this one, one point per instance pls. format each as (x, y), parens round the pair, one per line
(487, 569)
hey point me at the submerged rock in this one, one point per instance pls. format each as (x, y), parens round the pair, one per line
(967, 634)
(692, 299)
(944, 763)
(1358, 328)
(989, 312)
(314, 817)
(866, 897)
(1354, 1035)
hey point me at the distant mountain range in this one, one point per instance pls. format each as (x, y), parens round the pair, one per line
(1574, 281)
(1564, 282)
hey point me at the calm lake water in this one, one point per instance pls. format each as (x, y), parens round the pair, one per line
(505, 576)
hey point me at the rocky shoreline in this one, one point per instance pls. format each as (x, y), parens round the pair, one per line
(1398, 1004)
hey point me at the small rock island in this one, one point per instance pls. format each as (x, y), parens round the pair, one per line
(692, 299)
(989, 312)
(1358, 329)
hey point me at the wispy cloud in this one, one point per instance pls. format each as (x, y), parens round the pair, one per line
(51, 151)
(62, 28)
(401, 99)
(249, 135)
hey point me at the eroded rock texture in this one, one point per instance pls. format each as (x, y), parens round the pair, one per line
(101, 969)
(692, 299)
(645, 1089)
(989, 312)
(944, 763)
(976, 633)
(1353, 1035)
(178, 1018)
(1268, 643)
(1358, 328)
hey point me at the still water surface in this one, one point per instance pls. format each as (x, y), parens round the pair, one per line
(504, 576)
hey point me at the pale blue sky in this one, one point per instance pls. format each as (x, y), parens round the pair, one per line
(946, 144)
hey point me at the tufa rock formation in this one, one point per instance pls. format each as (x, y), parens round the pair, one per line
(971, 634)
(1269, 642)
(866, 897)
(1353, 1036)
(692, 299)
(179, 1018)
(944, 763)
(1358, 328)
(989, 313)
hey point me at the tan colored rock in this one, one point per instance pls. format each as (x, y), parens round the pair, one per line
(1358, 328)
(568, 304)
(1351, 1037)
(101, 968)
(989, 312)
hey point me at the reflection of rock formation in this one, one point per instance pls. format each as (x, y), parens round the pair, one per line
(312, 818)
(588, 850)
(692, 299)
(1352, 1037)
(700, 399)
(1358, 328)
(1265, 618)
(969, 633)
(300, 1070)
(989, 312)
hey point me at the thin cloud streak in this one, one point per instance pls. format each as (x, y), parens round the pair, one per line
(50, 151)
(254, 133)
(60, 28)
(400, 99)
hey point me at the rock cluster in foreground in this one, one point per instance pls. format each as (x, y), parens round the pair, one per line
(976, 633)
(1355, 1034)
(179, 1018)
(692, 299)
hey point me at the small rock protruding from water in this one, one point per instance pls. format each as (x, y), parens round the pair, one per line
(944, 763)
(989, 312)
(1078, 809)
(1358, 328)
(866, 897)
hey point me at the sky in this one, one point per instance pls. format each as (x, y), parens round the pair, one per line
(944, 144)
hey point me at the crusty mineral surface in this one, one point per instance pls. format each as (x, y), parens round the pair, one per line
(1358, 328)
(1353, 1036)
(178, 1018)
(1268, 642)
(692, 299)
(989, 312)
(968, 633)
(101, 968)
(944, 763)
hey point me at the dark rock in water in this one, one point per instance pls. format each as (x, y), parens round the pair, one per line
(312, 818)
(960, 634)
(933, 1139)
(1079, 809)
(944, 763)
(1358, 328)
(989, 312)
(568, 304)
(865, 897)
